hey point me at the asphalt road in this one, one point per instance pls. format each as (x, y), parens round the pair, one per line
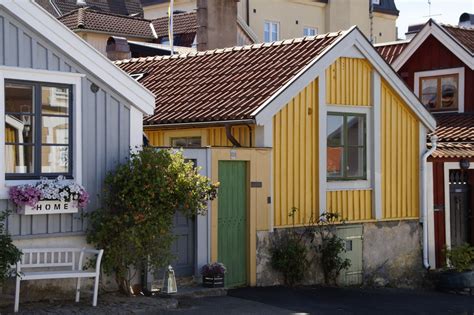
(280, 300)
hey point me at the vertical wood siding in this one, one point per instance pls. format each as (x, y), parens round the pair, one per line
(348, 82)
(351, 205)
(295, 158)
(105, 123)
(215, 136)
(400, 157)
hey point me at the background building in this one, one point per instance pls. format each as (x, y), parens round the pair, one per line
(283, 19)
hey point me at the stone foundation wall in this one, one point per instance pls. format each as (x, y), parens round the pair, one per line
(391, 256)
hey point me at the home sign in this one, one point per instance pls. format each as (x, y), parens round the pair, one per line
(49, 207)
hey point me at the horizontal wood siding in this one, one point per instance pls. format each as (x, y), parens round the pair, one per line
(351, 205)
(295, 158)
(348, 82)
(105, 123)
(400, 157)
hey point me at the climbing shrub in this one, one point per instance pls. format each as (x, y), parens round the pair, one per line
(329, 246)
(289, 254)
(9, 253)
(134, 224)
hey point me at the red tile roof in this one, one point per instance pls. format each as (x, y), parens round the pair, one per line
(464, 36)
(454, 150)
(183, 23)
(455, 127)
(390, 51)
(223, 84)
(87, 19)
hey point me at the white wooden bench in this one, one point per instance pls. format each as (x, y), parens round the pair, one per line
(57, 263)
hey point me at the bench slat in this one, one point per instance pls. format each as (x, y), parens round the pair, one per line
(57, 275)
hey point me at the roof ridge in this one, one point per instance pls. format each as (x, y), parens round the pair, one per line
(395, 42)
(90, 10)
(232, 48)
(176, 14)
(457, 27)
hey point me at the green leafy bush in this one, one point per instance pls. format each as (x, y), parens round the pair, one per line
(289, 255)
(134, 224)
(329, 246)
(9, 254)
(461, 257)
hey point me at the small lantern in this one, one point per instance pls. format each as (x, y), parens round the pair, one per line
(169, 281)
(464, 164)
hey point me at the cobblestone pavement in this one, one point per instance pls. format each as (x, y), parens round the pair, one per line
(108, 304)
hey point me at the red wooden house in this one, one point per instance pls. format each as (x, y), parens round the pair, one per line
(437, 64)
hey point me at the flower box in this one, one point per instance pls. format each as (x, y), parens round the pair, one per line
(213, 282)
(49, 207)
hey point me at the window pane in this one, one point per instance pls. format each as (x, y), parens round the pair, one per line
(266, 32)
(355, 130)
(19, 98)
(194, 142)
(335, 162)
(355, 162)
(449, 90)
(274, 31)
(54, 101)
(429, 92)
(54, 159)
(55, 130)
(178, 142)
(335, 130)
(19, 128)
(19, 159)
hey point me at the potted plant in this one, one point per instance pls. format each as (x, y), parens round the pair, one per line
(213, 275)
(49, 196)
(459, 275)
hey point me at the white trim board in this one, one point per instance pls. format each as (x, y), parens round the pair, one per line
(82, 52)
(448, 166)
(74, 79)
(461, 83)
(352, 39)
(433, 28)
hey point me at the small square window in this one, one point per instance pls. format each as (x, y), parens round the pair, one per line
(271, 31)
(440, 93)
(310, 31)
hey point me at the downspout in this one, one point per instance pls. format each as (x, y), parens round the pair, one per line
(424, 199)
(250, 135)
(230, 137)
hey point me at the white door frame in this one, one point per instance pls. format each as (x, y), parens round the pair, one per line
(448, 166)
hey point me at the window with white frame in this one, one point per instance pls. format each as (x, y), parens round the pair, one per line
(376, 2)
(346, 146)
(38, 130)
(310, 31)
(271, 31)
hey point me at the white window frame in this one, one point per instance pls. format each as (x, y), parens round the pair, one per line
(377, 2)
(433, 73)
(270, 30)
(43, 76)
(353, 184)
(310, 28)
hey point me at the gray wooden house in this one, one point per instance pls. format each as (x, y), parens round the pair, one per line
(96, 118)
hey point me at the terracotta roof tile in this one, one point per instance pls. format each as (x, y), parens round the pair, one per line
(465, 36)
(454, 150)
(88, 19)
(455, 127)
(390, 51)
(183, 23)
(223, 84)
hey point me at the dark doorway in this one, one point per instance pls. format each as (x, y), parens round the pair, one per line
(460, 207)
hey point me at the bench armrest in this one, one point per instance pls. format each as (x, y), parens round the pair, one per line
(98, 252)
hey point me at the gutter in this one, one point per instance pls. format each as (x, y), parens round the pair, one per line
(220, 123)
(424, 201)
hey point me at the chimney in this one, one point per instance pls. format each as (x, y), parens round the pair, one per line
(118, 48)
(217, 24)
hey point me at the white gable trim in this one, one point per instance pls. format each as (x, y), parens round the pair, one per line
(432, 28)
(84, 54)
(344, 45)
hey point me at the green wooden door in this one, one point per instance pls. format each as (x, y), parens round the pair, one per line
(232, 221)
(352, 236)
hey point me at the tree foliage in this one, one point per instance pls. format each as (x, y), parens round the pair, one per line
(9, 253)
(134, 224)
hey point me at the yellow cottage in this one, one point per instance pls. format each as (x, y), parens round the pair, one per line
(319, 123)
